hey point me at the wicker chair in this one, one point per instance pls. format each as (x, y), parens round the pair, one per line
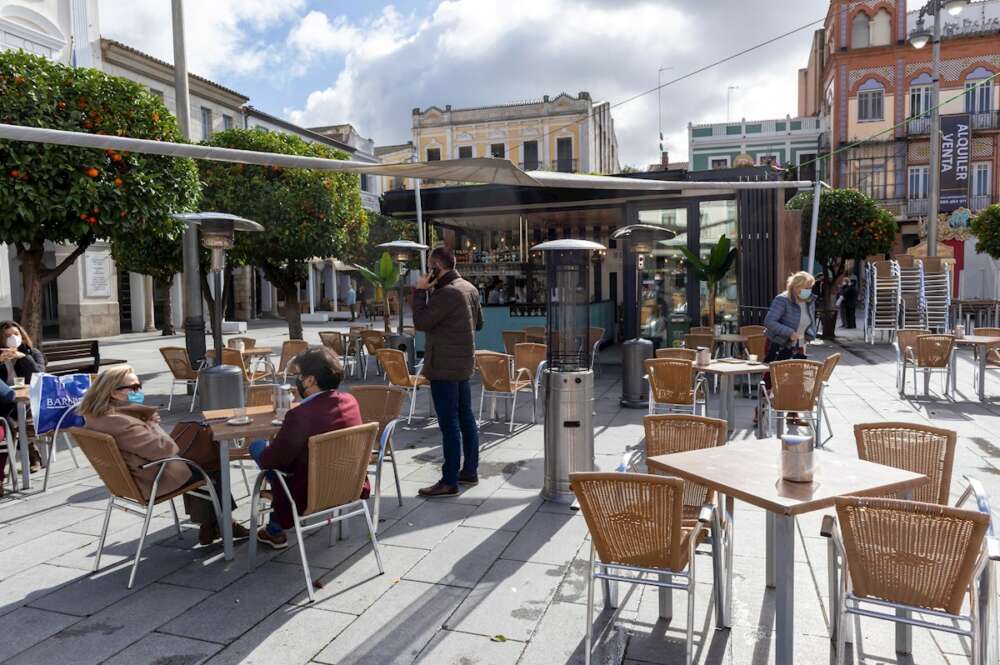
(756, 345)
(992, 353)
(535, 334)
(697, 340)
(511, 338)
(338, 465)
(752, 331)
(393, 362)
(931, 354)
(354, 345)
(336, 341)
(179, 364)
(682, 354)
(382, 405)
(637, 529)
(531, 356)
(290, 348)
(261, 394)
(102, 451)
(906, 340)
(795, 389)
(236, 359)
(906, 556)
(825, 373)
(248, 342)
(500, 380)
(674, 386)
(371, 341)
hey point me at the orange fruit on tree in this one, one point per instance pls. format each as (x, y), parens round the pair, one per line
(14, 173)
(118, 182)
(92, 172)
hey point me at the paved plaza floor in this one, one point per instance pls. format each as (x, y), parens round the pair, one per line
(495, 576)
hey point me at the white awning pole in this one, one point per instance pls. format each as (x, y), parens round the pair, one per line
(420, 225)
(813, 229)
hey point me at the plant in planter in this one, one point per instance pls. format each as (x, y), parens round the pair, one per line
(720, 260)
(383, 277)
(851, 226)
(986, 226)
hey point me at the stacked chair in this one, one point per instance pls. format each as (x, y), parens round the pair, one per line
(911, 291)
(882, 299)
(937, 294)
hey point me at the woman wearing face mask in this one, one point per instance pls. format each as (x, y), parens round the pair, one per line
(19, 359)
(790, 323)
(113, 405)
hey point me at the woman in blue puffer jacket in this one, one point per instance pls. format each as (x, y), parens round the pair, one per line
(791, 322)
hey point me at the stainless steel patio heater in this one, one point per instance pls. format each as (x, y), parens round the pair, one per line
(569, 380)
(401, 250)
(219, 386)
(639, 241)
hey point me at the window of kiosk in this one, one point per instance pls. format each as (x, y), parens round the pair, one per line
(663, 280)
(718, 218)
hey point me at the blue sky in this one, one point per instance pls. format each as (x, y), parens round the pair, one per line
(369, 63)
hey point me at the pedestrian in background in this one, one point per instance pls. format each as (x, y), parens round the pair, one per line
(447, 310)
(350, 298)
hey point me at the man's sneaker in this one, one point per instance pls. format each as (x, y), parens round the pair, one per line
(278, 542)
(438, 489)
(468, 479)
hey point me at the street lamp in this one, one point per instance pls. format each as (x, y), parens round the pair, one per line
(919, 39)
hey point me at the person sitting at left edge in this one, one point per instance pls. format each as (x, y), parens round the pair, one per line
(323, 409)
(7, 402)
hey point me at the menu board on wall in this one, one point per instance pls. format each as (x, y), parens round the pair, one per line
(956, 149)
(97, 274)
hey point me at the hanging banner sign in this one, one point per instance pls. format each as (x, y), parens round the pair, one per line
(956, 151)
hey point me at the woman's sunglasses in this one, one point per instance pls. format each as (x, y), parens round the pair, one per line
(135, 387)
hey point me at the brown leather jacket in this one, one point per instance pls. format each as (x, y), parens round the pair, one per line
(140, 442)
(449, 315)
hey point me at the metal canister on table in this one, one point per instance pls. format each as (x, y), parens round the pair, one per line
(704, 356)
(798, 461)
(282, 400)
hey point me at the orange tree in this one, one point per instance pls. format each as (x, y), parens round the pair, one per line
(305, 213)
(986, 227)
(154, 250)
(75, 196)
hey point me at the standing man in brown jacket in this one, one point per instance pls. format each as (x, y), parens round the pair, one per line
(446, 309)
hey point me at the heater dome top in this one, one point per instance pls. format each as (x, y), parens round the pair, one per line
(567, 244)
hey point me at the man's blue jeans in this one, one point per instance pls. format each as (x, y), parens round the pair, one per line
(459, 430)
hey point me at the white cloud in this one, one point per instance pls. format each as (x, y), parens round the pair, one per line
(218, 34)
(477, 52)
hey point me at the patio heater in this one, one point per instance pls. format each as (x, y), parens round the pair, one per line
(569, 380)
(401, 251)
(220, 386)
(639, 242)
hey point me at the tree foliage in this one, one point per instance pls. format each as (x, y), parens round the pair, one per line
(720, 260)
(75, 196)
(383, 275)
(305, 213)
(986, 226)
(851, 226)
(155, 250)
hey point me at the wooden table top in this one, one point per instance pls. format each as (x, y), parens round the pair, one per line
(731, 339)
(976, 340)
(751, 471)
(742, 367)
(259, 427)
(251, 352)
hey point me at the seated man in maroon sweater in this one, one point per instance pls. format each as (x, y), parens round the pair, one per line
(323, 409)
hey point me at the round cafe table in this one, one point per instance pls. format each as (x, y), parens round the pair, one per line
(727, 369)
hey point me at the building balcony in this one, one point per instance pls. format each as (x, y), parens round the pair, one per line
(980, 122)
(806, 126)
(918, 126)
(919, 207)
(564, 165)
(532, 165)
(977, 203)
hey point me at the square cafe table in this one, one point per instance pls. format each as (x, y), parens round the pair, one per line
(259, 427)
(981, 344)
(751, 471)
(727, 370)
(21, 397)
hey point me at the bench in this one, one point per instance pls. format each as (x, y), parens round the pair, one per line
(75, 356)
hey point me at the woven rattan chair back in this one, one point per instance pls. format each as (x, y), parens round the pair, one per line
(379, 404)
(261, 394)
(334, 341)
(911, 553)
(883, 268)
(373, 340)
(986, 332)
(701, 330)
(697, 340)
(907, 338)
(828, 366)
(678, 433)
(393, 362)
(934, 350)
(178, 363)
(992, 353)
(634, 518)
(752, 331)
(682, 354)
(235, 358)
(494, 371)
(795, 384)
(338, 464)
(529, 356)
(917, 448)
(354, 335)
(671, 380)
(756, 345)
(511, 338)
(289, 350)
(248, 342)
(103, 454)
(534, 334)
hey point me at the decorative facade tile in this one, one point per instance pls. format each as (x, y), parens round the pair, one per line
(982, 147)
(887, 72)
(952, 70)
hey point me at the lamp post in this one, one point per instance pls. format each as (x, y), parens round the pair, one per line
(919, 39)
(659, 104)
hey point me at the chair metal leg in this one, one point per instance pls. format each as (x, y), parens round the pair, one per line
(173, 387)
(69, 447)
(833, 586)
(588, 642)
(395, 473)
(371, 536)
(413, 404)
(104, 533)
(482, 400)
(689, 647)
(305, 561)
(177, 522)
(142, 540)
(513, 409)
(254, 526)
(194, 395)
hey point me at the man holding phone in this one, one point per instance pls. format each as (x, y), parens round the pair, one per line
(446, 309)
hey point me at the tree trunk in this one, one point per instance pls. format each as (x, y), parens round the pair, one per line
(386, 313)
(31, 307)
(168, 308)
(712, 288)
(293, 314)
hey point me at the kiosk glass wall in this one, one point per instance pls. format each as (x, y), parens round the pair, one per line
(663, 278)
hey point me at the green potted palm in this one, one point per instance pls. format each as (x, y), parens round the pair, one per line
(383, 277)
(714, 270)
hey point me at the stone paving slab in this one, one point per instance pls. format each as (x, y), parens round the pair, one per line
(26, 627)
(453, 648)
(462, 558)
(150, 649)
